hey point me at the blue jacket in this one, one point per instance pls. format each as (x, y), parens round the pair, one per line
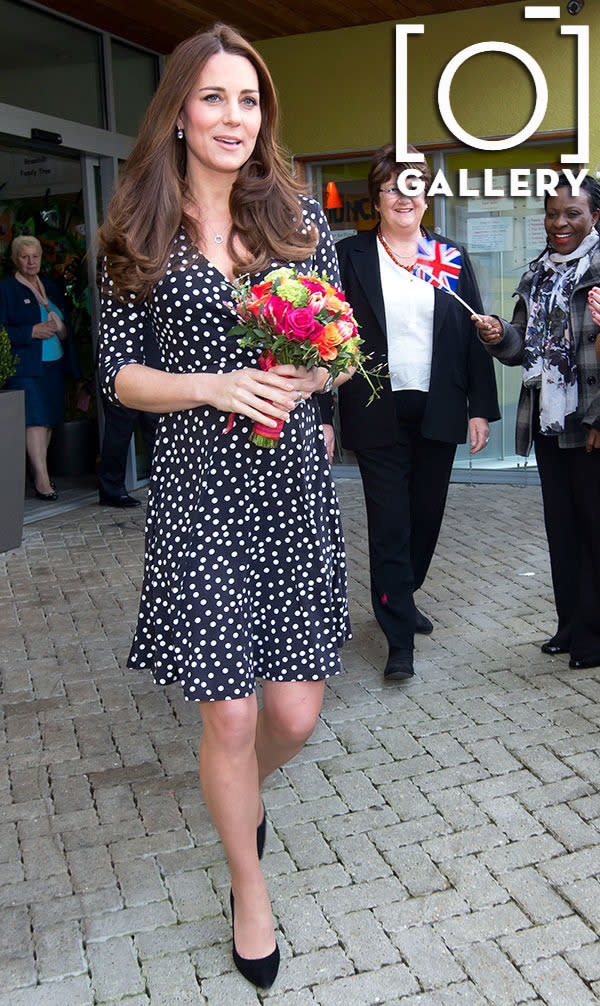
(19, 312)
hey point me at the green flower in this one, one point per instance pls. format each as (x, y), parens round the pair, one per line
(293, 291)
(279, 274)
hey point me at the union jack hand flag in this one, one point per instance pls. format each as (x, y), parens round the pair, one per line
(438, 263)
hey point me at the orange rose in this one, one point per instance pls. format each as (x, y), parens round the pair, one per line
(334, 303)
(326, 340)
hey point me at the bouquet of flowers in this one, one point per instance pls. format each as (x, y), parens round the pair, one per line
(297, 318)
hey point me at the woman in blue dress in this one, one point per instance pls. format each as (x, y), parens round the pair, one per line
(244, 566)
(33, 314)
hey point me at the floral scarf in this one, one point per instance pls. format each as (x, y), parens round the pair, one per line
(549, 352)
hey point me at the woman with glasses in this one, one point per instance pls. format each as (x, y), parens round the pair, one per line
(552, 336)
(441, 386)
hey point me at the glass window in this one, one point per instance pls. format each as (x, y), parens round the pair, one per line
(50, 65)
(134, 78)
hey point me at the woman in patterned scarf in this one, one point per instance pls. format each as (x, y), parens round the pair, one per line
(552, 336)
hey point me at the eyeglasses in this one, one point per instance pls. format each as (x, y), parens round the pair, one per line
(394, 192)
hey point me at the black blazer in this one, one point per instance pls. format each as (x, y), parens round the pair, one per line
(462, 383)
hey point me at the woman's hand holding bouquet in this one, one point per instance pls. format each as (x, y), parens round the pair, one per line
(300, 323)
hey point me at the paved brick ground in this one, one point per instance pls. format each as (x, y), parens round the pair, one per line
(438, 842)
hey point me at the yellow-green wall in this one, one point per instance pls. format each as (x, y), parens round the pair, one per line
(337, 88)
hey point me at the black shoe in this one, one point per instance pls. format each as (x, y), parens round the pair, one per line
(261, 834)
(124, 502)
(579, 665)
(553, 648)
(399, 665)
(46, 497)
(423, 624)
(261, 971)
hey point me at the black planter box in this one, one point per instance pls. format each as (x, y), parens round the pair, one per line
(73, 448)
(12, 467)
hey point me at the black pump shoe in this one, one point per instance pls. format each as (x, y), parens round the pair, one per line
(261, 834)
(261, 971)
(47, 497)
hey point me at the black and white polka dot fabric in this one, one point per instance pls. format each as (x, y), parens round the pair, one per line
(245, 569)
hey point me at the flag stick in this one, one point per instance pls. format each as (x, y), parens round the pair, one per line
(439, 286)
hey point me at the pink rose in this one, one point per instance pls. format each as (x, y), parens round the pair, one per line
(300, 324)
(312, 284)
(275, 311)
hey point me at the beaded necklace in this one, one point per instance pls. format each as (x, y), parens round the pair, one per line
(407, 268)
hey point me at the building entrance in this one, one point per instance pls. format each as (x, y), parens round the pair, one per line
(42, 194)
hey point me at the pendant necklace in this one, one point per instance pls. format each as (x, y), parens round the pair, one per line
(218, 239)
(407, 268)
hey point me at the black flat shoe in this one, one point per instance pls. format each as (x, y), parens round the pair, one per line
(261, 834)
(579, 665)
(261, 971)
(423, 624)
(124, 502)
(553, 648)
(46, 497)
(399, 665)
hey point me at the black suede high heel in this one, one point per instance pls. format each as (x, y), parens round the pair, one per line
(46, 497)
(261, 971)
(261, 834)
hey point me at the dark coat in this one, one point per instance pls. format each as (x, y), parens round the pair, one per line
(19, 312)
(510, 351)
(462, 384)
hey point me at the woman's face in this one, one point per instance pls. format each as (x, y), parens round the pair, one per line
(569, 219)
(398, 211)
(221, 116)
(28, 260)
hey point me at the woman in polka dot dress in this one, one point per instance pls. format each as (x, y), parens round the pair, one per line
(245, 571)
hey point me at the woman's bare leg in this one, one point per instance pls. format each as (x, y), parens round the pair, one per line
(37, 439)
(287, 719)
(229, 777)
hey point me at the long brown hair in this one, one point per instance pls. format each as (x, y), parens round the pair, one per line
(148, 206)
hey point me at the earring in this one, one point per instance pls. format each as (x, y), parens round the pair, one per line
(179, 133)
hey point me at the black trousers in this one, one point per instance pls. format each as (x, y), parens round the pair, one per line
(118, 429)
(570, 481)
(405, 489)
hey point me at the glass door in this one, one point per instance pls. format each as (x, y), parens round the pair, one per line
(42, 193)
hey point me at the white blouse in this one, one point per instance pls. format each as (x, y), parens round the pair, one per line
(409, 304)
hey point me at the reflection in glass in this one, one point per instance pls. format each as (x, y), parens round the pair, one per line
(135, 80)
(50, 65)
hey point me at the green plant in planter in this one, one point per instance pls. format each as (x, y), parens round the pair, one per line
(8, 360)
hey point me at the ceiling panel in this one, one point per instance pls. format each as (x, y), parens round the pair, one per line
(161, 24)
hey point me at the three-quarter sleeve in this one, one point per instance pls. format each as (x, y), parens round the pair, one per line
(121, 340)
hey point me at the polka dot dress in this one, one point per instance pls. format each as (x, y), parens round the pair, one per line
(245, 569)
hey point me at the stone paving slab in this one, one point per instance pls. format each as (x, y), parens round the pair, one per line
(436, 843)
